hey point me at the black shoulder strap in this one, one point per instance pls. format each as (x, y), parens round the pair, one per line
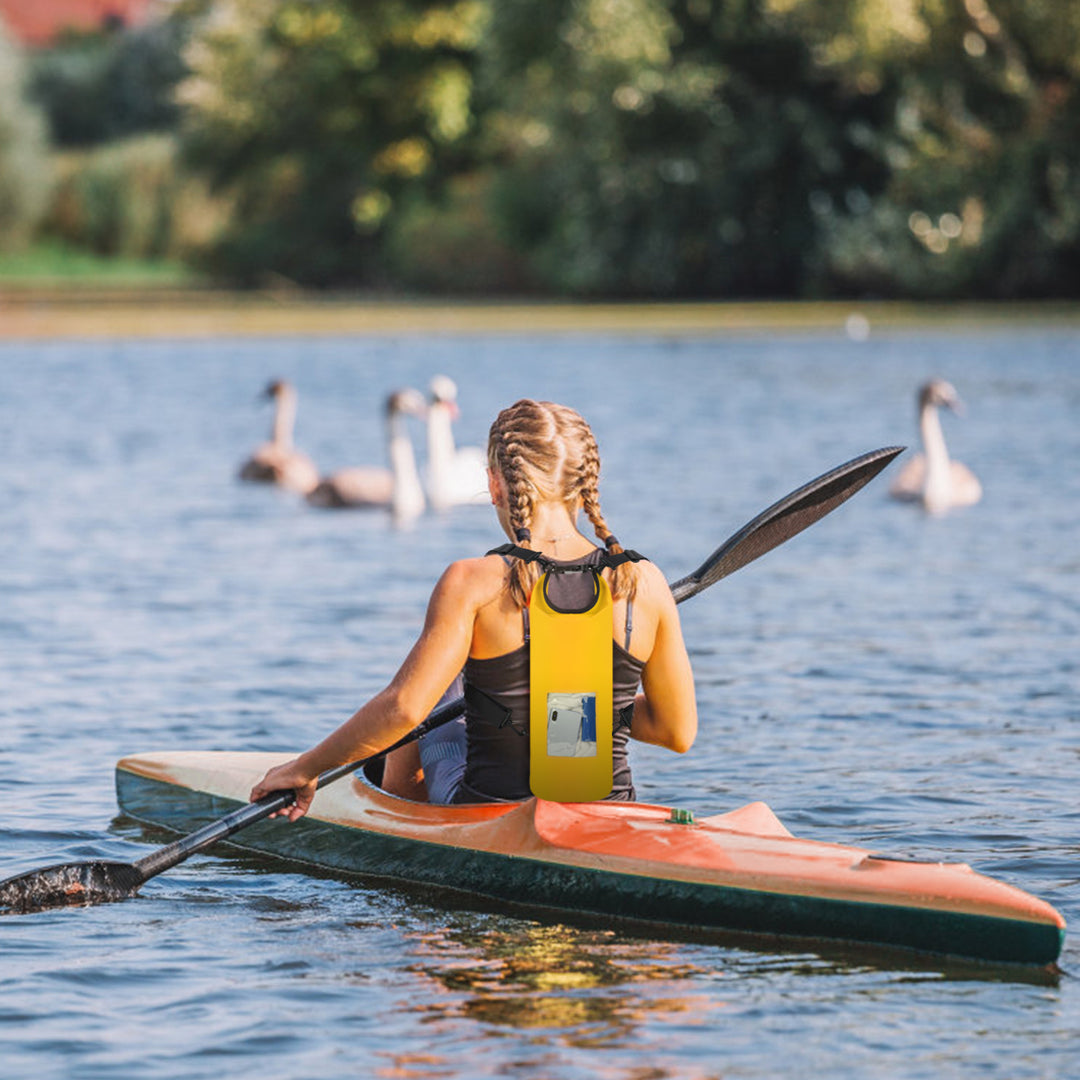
(629, 555)
(524, 554)
(605, 561)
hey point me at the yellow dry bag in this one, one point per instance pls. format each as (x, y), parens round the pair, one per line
(570, 722)
(570, 677)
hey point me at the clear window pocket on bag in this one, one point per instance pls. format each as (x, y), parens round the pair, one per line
(571, 725)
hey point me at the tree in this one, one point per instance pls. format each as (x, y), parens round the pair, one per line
(667, 148)
(110, 84)
(982, 149)
(790, 147)
(23, 163)
(324, 120)
(684, 148)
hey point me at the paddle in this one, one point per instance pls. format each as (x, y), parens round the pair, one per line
(101, 881)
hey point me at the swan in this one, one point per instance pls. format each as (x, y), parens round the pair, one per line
(396, 488)
(455, 475)
(278, 461)
(931, 477)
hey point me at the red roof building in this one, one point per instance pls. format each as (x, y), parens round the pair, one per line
(39, 22)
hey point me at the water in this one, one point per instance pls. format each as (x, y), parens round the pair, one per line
(883, 679)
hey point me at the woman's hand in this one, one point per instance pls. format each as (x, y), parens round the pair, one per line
(288, 777)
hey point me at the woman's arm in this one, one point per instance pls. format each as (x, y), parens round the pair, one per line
(666, 713)
(432, 664)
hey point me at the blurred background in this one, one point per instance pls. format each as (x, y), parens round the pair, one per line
(570, 148)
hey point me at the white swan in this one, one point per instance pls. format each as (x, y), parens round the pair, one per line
(455, 475)
(278, 461)
(931, 477)
(397, 488)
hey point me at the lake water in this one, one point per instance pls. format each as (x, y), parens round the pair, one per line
(886, 679)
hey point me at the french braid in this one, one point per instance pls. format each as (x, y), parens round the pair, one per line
(624, 578)
(548, 451)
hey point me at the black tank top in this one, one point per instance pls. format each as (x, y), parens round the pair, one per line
(497, 720)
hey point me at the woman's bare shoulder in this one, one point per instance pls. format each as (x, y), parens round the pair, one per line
(652, 586)
(477, 580)
(651, 576)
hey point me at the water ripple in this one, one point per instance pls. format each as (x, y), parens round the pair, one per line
(886, 679)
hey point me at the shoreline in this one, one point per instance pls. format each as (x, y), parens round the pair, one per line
(35, 313)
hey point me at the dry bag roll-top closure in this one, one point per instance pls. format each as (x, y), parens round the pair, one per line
(570, 677)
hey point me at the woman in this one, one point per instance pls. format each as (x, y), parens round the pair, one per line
(544, 468)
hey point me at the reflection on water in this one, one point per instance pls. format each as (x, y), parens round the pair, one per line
(552, 977)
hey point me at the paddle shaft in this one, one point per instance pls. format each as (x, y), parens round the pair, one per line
(770, 528)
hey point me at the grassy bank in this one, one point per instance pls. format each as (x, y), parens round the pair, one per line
(54, 266)
(62, 294)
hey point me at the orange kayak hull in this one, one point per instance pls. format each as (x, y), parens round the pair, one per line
(737, 872)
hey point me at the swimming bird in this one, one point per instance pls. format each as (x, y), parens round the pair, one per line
(455, 475)
(397, 488)
(931, 477)
(278, 461)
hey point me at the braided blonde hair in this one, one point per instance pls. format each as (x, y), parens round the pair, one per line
(545, 451)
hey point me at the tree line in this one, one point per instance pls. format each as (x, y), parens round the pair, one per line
(586, 148)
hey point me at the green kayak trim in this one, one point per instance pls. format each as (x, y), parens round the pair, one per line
(656, 902)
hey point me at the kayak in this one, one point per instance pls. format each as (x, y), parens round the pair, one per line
(741, 871)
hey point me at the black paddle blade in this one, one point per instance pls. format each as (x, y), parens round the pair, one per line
(69, 885)
(785, 518)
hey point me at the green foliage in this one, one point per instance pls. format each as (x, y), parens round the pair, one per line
(670, 149)
(654, 148)
(103, 86)
(24, 169)
(326, 120)
(791, 147)
(453, 246)
(983, 191)
(132, 199)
